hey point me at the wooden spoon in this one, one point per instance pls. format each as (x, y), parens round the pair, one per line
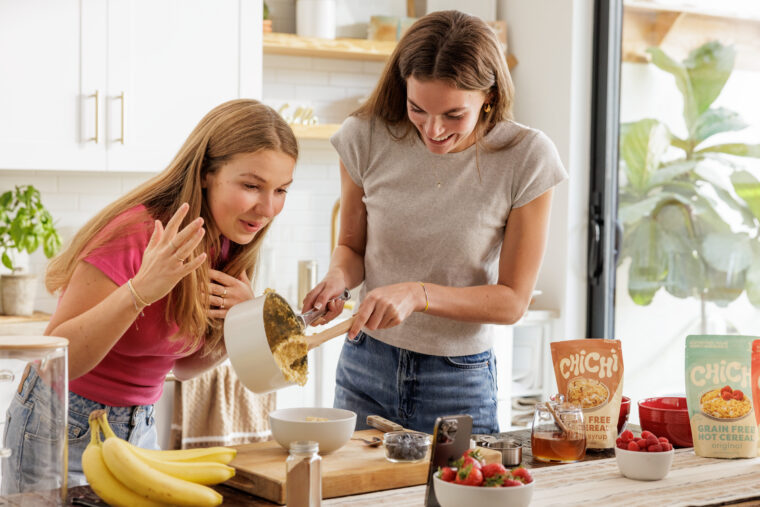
(317, 339)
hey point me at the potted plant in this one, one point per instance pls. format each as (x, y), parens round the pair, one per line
(690, 207)
(25, 225)
(267, 21)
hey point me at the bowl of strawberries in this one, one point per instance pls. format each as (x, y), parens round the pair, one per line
(644, 458)
(470, 481)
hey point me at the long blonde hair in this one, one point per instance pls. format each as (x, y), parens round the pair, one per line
(451, 46)
(237, 126)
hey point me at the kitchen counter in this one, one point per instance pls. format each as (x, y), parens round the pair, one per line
(596, 476)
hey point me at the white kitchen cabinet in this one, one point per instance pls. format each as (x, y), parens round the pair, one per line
(118, 84)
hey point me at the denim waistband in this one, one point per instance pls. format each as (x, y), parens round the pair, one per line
(34, 387)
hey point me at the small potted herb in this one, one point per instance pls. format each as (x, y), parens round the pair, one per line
(25, 225)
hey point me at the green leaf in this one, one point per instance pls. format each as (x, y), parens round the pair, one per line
(648, 266)
(640, 209)
(737, 149)
(753, 277)
(672, 171)
(727, 252)
(7, 261)
(642, 148)
(709, 67)
(716, 121)
(683, 82)
(748, 188)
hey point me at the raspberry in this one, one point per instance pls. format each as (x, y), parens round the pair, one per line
(645, 434)
(738, 395)
(619, 441)
(654, 448)
(663, 440)
(725, 395)
(627, 436)
(652, 440)
(667, 447)
(633, 447)
(726, 388)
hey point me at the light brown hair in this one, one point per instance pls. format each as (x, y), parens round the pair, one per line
(234, 127)
(450, 46)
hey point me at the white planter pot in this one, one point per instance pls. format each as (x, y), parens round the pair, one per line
(18, 293)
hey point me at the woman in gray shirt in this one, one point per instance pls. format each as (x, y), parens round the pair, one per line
(445, 206)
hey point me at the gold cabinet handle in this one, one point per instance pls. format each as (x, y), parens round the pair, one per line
(121, 98)
(96, 96)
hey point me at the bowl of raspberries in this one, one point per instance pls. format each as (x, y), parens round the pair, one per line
(644, 458)
(470, 481)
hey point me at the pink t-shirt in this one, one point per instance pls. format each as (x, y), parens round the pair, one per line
(133, 371)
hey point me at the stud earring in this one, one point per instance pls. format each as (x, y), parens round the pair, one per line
(487, 108)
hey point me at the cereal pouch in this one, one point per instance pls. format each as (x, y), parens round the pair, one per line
(756, 385)
(590, 373)
(719, 396)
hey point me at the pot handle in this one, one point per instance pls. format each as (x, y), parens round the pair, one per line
(314, 314)
(317, 339)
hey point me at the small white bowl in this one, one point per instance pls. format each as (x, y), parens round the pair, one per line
(644, 466)
(290, 425)
(450, 494)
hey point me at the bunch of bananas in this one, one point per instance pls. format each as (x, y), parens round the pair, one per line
(125, 475)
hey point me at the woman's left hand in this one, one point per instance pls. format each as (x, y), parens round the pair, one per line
(388, 306)
(227, 291)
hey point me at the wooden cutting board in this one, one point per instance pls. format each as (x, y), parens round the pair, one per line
(355, 468)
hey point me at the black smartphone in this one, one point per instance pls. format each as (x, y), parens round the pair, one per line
(451, 437)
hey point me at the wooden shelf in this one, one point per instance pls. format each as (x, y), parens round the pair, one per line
(323, 131)
(678, 30)
(351, 49)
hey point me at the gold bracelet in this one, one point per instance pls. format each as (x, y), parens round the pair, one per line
(427, 301)
(136, 297)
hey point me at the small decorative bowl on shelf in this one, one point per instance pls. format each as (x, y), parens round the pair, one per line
(667, 416)
(406, 446)
(450, 494)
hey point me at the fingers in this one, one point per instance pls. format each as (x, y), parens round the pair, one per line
(364, 313)
(311, 297)
(155, 237)
(222, 278)
(176, 220)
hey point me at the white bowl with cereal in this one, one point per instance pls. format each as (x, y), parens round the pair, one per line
(331, 428)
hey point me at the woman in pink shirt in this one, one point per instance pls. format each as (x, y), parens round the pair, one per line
(145, 286)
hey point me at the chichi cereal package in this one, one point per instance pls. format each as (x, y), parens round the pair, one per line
(719, 396)
(756, 385)
(590, 373)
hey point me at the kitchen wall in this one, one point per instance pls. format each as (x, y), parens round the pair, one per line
(301, 231)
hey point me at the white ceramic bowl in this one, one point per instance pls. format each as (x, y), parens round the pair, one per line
(450, 494)
(644, 466)
(290, 424)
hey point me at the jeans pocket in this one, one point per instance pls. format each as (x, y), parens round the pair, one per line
(42, 464)
(472, 361)
(358, 340)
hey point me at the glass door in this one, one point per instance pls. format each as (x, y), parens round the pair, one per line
(686, 203)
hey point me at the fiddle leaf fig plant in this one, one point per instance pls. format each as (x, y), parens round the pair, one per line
(25, 225)
(690, 206)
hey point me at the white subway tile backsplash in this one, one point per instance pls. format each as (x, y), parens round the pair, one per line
(286, 62)
(90, 183)
(300, 76)
(9, 179)
(320, 93)
(353, 79)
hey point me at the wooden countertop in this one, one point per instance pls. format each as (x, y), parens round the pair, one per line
(21, 319)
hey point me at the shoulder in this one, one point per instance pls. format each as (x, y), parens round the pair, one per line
(510, 134)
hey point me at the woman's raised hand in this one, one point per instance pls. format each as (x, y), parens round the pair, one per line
(227, 291)
(388, 306)
(166, 258)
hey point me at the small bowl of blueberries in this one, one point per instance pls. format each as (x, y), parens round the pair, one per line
(406, 446)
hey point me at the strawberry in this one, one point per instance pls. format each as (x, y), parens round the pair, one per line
(476, 455)
(470, 475)
(738, 395)
(492, 469)
(522, 474)
(627, 436)
(447, 473)
(511, 482)
(494, 481)
(632, 446)
(725, 395)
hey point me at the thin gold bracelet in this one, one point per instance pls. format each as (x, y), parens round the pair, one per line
(136, 297)
(427, 301)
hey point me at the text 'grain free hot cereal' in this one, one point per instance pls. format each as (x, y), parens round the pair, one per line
(719, 396)
(590, 373)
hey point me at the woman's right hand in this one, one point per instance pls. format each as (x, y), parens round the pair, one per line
(164, 261)
(329, 288)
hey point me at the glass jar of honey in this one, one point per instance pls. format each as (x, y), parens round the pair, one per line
(558, 433)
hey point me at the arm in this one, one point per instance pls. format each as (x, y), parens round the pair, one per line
(503, 303)
(346, 269)
(94, 312)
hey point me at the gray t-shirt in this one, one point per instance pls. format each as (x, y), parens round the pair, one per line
(449, 234)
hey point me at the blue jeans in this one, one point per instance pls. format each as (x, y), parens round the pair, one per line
(414, 389)
(32, 436)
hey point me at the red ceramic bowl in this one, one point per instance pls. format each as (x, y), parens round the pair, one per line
(667, 416)
(625, 410)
